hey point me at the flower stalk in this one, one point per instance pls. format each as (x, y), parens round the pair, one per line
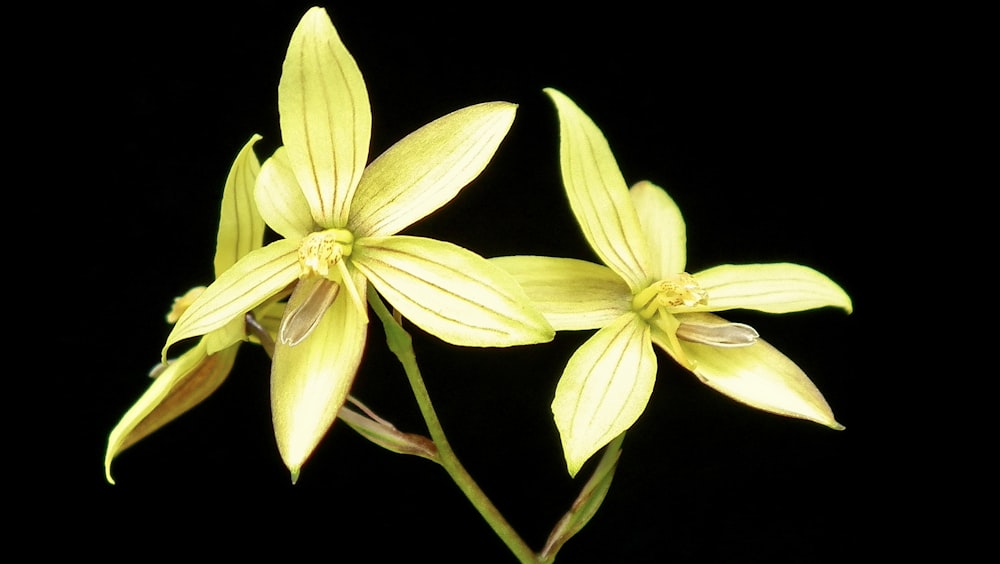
(401, 345)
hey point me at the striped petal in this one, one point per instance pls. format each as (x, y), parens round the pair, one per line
(247, 284)
(280, 199)
(310, 380)
(325, 117)
(773, 288)
(428, 168)
(604, 388)
(183, 384)
(450, 292)
(663, 224)
(241, 227)
(758, 375)
(572, 294)
(598, 194)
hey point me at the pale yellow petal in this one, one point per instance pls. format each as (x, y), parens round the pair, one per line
(598, 194)
(605, 387)
(428, 168)
(758, 375)
(241, 228)
(450, 292)
(773, 288)
(663, 224)
(183, 384)
(325, 117)
(280, 199)
(572, 294)
(247, 284)
(310, 381)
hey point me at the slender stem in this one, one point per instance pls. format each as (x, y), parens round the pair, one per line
(401, 344)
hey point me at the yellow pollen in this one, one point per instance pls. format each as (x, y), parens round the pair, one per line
(322, 250)
(181, 303)
(680, 290)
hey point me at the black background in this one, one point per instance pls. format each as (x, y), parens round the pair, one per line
(751, 120)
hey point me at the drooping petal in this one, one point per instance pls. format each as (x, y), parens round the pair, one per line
(325, 117)
(428, 168)
(572, 294)
(451, 292)
(773, 288)
(183, 384)
(758, 375)
(310, 381)
(241, 227)
(663, 224)
(280, 199)
(598, 194)
(605, 387)
(247, 284)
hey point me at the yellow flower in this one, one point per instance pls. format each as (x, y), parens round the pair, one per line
(642, 295)
(184, 382)
(338, 222)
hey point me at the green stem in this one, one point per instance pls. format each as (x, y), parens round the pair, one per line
(401, 344)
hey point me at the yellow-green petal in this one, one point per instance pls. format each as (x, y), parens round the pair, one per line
(325, 117)
(758, 375)
(572, 294)
(247, 284)
(280, 199)
(427, 168)
(604, 388)
(241, 228)
(598, 194)
(773, 288)
(311, 380)
(450, 292)
(663, 224)
(183, 384)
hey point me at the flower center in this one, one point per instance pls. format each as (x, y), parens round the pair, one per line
(679, 290)
(323, 250)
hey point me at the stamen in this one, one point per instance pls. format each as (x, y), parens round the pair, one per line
(722, 335)
(680, 290)
(181, 303)
(323, 249)
(668, 324)
(352, 291)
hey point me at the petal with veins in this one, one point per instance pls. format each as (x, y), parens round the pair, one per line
(450, 292)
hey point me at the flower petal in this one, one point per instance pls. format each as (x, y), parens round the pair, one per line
(280, 199)
(605, 387)
(572, 294)
(241, 228)
(450, 291)
(773, 288)
(310, 381)
(663, 224)
(248, 283)
(428, 168)
(325, 117)
(758, 375)
(183, 384)
(598, 194)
